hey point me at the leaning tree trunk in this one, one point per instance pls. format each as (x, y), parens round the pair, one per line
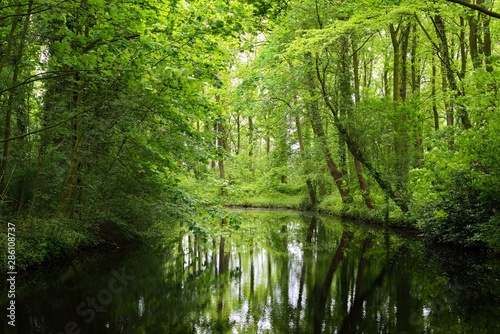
(319, 132)
(356, 150)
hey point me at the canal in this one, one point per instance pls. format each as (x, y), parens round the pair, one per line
(278, 272)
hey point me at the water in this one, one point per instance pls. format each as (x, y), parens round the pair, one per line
(280, 273)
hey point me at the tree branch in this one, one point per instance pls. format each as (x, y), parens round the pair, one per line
(45, 128)
(476, 7)
(288, 104)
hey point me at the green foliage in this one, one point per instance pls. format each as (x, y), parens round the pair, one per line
(113, 94)
(489, 232)
(107, 106)
(456, 193)
(42, 239)
(410, 131)
(455, 216)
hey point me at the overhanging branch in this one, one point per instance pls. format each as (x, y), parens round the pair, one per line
(476, 7)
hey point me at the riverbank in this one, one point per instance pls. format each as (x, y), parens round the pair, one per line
(331, 205)
(36, 242)
(42, 240)
(39, 241)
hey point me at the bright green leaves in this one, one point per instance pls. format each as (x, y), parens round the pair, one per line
(397, 102)
(115, 120)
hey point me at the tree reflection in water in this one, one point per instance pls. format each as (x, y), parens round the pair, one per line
(280, 273)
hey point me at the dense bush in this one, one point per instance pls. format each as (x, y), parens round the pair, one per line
(457, 193)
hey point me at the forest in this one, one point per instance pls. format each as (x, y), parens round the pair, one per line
(121, 120)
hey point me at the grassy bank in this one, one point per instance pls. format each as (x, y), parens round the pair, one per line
(330, 206)
(289, 196)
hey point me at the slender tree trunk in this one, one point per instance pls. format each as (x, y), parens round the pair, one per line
(385, 79)
(415, 82)
(6, 135)
(367, 76)
(357, 84)
(435, 113)
(404, 61)
(363, 184)
(400, 42)
(10, 39)
(487, 44)
(450, 119)
(221, 149)
(473, 44)
(300, 136)
(345, 108)
(311, 186)
(335, 172)
(238, 133)
(12, 94)
(396, 89)
(213, 126)
(250, 136)
(463, 52)
(70, 192)
(450, 75)
(415, 92)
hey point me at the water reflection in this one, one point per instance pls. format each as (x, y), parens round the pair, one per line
(281, 273)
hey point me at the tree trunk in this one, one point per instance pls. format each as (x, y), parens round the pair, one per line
(300, 136)
(415, 75)
(238, 133)
(12, 94)
(345, 107)
(355, 149)
(336, 174)
(400, 43)
(463, 51)
(433, 93)
(450, 75)
(473, 47)
(213, 126)
(221, 148)
(415, 92)
(319, 132)
(396, 92)
(311, 188)
(487, 44)
(70, 193)
(10, 39)
(363, 184)
(250, 136)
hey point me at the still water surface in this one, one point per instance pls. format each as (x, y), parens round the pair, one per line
(281, 272)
